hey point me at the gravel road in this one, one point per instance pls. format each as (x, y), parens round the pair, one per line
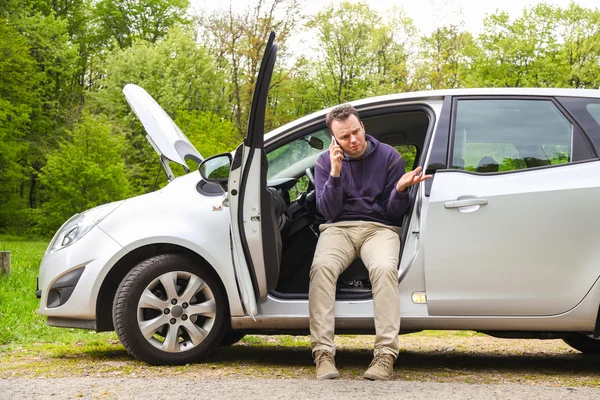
(177, 388)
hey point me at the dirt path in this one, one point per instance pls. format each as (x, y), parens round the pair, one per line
(431, 365)
(180, 388)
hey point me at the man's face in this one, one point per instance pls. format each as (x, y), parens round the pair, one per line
(350, 135)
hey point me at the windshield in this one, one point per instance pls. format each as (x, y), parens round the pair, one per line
(298, 151)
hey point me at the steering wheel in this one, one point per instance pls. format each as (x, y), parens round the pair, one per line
(311, 176)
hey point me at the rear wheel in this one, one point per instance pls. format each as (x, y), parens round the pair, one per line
(170, 310)
(584, 343)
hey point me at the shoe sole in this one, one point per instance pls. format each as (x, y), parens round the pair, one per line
(375, 377)
(329, 375)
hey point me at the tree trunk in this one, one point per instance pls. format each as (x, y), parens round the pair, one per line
(5, 263)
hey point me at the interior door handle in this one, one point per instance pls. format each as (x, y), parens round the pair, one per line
(465, 202)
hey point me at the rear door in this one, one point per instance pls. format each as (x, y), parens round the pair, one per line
(252, 228)
(512, 227)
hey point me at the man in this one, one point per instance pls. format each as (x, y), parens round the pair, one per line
(361, 190)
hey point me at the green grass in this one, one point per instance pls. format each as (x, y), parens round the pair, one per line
(19, 322)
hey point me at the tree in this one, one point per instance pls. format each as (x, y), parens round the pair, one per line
(394, 53)
(519, 53)
(19, 80)
(293, 97)
(208, 132)
(444, 60)
(360, 54)
(580, 50)
(344, 36)
(37, 70)
(237, 40)
(85, 171)
(127, 20)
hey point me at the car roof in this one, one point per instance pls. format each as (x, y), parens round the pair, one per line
(439, 95)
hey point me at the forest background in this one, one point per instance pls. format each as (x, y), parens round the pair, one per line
(69, 141)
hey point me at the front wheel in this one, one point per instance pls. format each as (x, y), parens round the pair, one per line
(232, 337)
(170, 310)
(584, 343)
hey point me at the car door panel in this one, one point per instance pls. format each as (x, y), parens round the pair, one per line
(530, 250)
(242, 272)
(251, 216)
(511, 227)
(249, 205)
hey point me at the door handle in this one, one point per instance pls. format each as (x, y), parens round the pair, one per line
(465, 202)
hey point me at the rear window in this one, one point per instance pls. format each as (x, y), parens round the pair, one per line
(594, 110)
(502, 135)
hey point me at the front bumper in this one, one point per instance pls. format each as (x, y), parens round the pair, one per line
(92, 255)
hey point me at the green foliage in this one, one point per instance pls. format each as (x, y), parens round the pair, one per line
(236, 40)
(359, 53)
(519, 53)
(84, 172)
(125, 21)
(295, 96)
(34, 101)
(18, 82)
(443, 59)
(580, 51)
(408, 153)
(208, 132)
(345, 36)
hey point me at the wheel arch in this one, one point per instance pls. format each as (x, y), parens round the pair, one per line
(108, 289)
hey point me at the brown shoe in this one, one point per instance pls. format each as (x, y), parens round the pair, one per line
(381, 367)
(325, 365)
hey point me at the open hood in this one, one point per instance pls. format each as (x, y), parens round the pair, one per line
(164, 135)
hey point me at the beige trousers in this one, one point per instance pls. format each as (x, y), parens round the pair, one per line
(378, 246)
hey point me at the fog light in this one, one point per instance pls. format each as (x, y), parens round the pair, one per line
(63, 287)
(419, 298)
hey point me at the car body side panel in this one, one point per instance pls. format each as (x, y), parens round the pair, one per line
(353, 317)
(186, 218)
(532, 250)
(94, 252)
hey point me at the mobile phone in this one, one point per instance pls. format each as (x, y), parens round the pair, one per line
(334, 141)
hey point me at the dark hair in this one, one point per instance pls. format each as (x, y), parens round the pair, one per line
(340, 113)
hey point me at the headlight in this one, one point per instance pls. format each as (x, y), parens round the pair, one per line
(80, 224)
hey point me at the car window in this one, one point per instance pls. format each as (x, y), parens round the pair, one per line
(594, 110)
(502, 157)
(296, 151)
(300, 187)
(506, 135)
(408, 153)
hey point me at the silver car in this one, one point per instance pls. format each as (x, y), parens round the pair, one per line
(503, 240)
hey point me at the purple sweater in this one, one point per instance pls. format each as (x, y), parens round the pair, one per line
(365, 189)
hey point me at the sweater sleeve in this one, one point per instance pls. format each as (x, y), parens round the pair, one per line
(330, 192)
(397, 203)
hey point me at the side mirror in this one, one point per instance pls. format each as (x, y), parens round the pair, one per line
(315, 142)
(215, 169)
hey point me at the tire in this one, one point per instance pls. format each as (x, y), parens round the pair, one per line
(584, 343)
(169, 310)
(232, 337)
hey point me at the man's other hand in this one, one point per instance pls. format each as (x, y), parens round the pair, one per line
(410, 178)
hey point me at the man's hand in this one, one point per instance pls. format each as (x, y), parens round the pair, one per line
(335, 156)
(410, 178)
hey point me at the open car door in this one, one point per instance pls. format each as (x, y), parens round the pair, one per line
(255, 234)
